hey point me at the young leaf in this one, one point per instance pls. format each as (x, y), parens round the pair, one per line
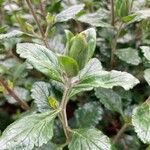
(146, 51)
(92, 76)
(141, 121)
(88, 115)
(40, 58)
(40, 93)
(30, 131)
(89, 139)
(69, 13)
(110, 99)
(129, 55)
(69, 65)
(147, 75)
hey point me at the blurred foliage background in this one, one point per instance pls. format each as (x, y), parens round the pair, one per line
(106, 109)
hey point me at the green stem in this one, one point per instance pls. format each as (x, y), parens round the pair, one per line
(112, 13)
(121, 131)
(114, 45)
(63, 111)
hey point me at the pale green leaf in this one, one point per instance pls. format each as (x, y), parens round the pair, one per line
(88, 115)
(141, 121)
(29, 131)
(89, 139)
(96, 19)
(69, 13)
(11, 34)
(146, 51)
(110, 99)
(22, 93)
(40, 93)
(129, 55)
(147, 75)
(40, 58)
(92, 76)
(48, 146)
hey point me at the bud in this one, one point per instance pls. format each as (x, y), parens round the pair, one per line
(50, 18)
(29, 27)
(81, 47)
(53, 102)
(123, 7)
(77, 49)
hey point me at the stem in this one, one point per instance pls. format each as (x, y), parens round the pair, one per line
(38, 23)
(114, 45)
(63, 111)
(112, 13)
(121, 131)
(22, 103)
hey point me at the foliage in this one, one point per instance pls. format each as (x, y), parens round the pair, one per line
(74, 74)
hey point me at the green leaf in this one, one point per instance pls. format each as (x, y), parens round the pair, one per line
(12, 34)
(89, 139)
(41, 59)
(69, 65)
(110, 99)
(96, 19)
(30, 131)
(48, 146)
(88, 115)
(147, 75)
(40, 93)
(129, 55)
(22, 93)
(141, 121)
(146, 51)
(69, 13)
(92, 76)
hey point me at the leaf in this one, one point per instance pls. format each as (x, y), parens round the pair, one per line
(40, 93)
(141, 121)
(69, 13)
(88, 115)
(146, 51)
(137, 16)
(12, 34)
(48, 146)
(40, 58)
(110, 99)
(22, 93)
(129, 55)
(69, 65)
(30, 131)
(147, 75)
(96, 19)
(93, 76)
(89, 139)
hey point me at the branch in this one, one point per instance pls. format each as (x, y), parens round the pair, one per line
(112, 13)
(22, 103)
(121, 131)
(63, 111)
(38, 23)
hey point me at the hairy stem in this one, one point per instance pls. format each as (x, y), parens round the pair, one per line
(22, 103)
(38, 23)
(63, 111)
(121, 131)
